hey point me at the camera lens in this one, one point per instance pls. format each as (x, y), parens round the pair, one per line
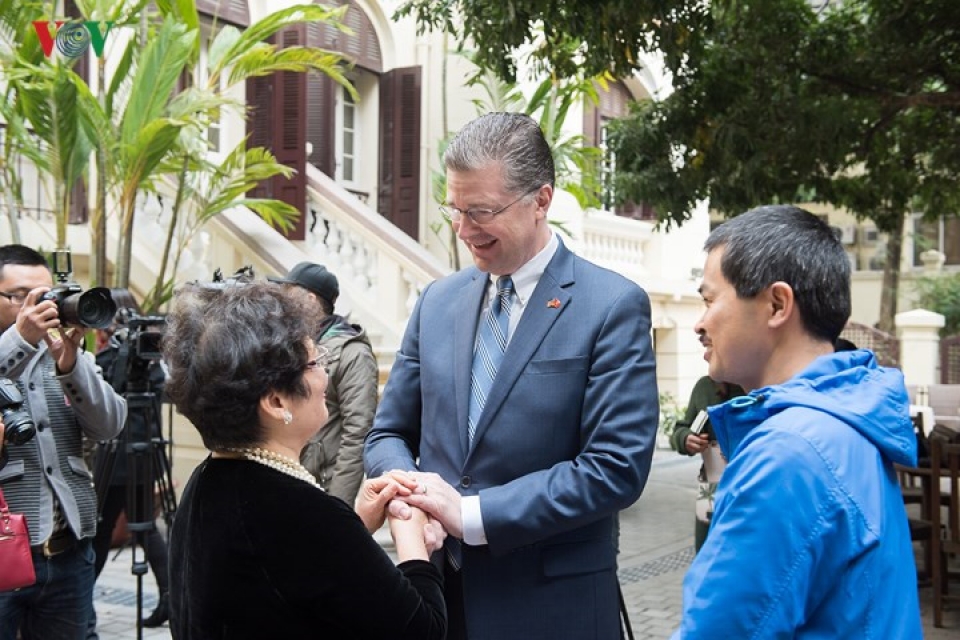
(18, 427)
(94, 308)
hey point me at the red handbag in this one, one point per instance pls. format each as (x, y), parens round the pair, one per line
(15, 559)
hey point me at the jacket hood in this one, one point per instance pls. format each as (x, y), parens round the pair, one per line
(849, 386)
(336, 331)
(335, 326)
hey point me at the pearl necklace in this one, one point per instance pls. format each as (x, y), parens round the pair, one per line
(278, 461)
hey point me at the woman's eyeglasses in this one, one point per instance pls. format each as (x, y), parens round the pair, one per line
(321, 361)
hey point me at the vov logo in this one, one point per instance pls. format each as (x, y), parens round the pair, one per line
(72, 37)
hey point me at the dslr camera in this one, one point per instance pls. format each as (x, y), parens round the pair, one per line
(93, 309)
(18, 425)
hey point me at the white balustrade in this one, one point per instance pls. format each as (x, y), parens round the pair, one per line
(613, 242)
(381, 269)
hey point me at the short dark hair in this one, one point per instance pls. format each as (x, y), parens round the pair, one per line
(514, 140)
(22, 255)
(228, 347)
(783, 243)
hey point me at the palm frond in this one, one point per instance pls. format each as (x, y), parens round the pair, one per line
(144, 153)
(163, 60)
(199, 103)
(265, 59)
(274, 212)
(267, 26)
(121, 75)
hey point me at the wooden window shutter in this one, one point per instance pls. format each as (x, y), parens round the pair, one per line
(79, 212)
(260, 124)
(290, 124)
(399, 195)
(235, 12)
(277, 122)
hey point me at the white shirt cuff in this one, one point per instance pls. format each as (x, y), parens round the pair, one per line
(473, 533)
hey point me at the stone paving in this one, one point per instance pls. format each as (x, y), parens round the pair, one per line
(656, 546)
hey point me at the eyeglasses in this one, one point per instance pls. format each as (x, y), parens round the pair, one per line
(14, 298)
(480, 216)
(321, 361)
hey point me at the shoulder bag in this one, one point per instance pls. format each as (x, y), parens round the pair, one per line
(15, 557)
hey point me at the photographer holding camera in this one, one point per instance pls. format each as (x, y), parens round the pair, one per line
(44, 476)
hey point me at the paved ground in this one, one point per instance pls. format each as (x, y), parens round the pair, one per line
(656, 547)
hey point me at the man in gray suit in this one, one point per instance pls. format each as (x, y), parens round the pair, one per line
(45, 477)
(525, 389)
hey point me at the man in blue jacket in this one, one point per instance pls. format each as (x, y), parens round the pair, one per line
(809, 538)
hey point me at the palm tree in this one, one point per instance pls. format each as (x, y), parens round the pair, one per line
(159, 127)
(138, 124)
(44, 121)
(203, 189)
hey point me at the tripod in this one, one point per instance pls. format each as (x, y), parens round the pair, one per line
(146, 465)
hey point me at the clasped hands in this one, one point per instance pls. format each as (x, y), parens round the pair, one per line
(412, 497)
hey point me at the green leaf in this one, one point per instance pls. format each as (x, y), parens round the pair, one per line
(163, 60)
(145, 152)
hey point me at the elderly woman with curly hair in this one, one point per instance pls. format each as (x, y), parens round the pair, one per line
(258, 549)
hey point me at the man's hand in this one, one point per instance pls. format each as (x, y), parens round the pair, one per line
(65, 348)
(696, 443)
(37, 317)
(435, 497)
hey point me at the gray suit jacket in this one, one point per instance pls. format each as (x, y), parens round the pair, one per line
(564, 443)
(63, 408)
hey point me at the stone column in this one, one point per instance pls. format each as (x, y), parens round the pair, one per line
(919, 333)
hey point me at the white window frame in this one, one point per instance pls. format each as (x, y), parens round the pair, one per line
(346, 104)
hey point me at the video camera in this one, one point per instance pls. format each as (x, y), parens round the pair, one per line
(93, 309)
(144, 343)
(139, 346)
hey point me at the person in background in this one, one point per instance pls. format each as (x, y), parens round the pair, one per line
(706, 393)
(335, 454)
(45, 477)
(119, 362)
(526, 387)
(257, 548)
(809, 536)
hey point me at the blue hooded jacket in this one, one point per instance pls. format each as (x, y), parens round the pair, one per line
(809, 537)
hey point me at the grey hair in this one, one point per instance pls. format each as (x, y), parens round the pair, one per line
(514, 141)
(226, 349)
(782, 243)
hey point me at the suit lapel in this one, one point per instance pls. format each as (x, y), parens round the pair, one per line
(549, 300)
(465, 334)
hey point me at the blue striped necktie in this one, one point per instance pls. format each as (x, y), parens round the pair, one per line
(488, 350)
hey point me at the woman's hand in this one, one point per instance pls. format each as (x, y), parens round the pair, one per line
(376, 494)
(416, 536)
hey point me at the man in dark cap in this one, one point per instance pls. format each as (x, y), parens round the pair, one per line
(335, 454)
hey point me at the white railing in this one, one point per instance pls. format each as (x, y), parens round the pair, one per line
(616, 243)
(609, 240)
(381, 268)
